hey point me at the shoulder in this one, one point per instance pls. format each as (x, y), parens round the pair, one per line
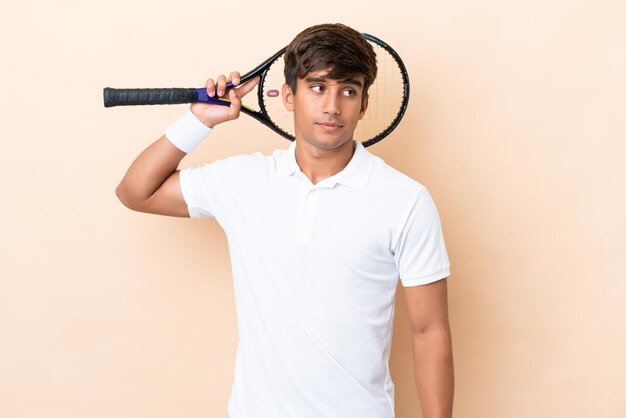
(240, 165)
(393, 183)
(256, 159)
(244, 161)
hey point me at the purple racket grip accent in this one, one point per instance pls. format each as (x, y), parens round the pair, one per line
(202, 96)
(272, 93)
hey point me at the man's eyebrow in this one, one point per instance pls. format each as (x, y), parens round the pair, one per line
(324, 80)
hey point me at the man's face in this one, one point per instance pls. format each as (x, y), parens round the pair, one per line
(326, 111)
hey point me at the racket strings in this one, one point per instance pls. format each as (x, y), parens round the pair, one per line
(386, 97)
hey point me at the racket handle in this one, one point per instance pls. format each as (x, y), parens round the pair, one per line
(132, 97)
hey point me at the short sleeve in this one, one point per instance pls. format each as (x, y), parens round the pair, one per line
(419, 251)
(200, 187)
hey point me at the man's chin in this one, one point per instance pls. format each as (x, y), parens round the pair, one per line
(328, 143)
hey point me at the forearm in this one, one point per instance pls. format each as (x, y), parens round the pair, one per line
(149, 170)
(434, 372)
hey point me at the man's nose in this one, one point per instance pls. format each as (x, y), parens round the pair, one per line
(331, 104)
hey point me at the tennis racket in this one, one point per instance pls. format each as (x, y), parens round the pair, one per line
(388, 96)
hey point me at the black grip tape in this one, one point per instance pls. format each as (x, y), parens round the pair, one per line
(133, 97)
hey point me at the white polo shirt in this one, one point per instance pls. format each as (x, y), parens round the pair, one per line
(315, 270)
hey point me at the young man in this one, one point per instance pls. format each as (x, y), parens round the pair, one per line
(319, 235)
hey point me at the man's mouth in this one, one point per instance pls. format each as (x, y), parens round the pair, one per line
(330, 125)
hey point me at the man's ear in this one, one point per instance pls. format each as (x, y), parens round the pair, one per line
(364, 106)
(288, 97)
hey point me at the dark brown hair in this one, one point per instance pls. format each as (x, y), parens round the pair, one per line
(339, 48)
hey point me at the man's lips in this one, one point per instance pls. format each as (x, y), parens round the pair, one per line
(330, 125)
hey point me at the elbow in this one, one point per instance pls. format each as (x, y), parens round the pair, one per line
(122, 194)
(432, 332)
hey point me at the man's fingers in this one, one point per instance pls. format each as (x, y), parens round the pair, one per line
(218, 87)
(210, 87)
(235, 104)
(248, 86)
(221, 85)
(234, 78)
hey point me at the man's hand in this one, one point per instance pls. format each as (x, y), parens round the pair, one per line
(211, 114)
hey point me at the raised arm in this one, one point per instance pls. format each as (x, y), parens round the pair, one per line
(152, 184)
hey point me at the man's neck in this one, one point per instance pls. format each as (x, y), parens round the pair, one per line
(318, 164)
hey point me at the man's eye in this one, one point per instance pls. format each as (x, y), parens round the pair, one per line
(317, 88)
(349, 92)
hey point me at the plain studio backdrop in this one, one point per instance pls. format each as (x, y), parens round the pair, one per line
(515, 125)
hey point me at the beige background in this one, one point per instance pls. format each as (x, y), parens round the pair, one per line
(515, 125)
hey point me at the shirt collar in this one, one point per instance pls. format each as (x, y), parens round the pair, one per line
(355, 174)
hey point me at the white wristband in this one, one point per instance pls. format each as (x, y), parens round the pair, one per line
(187, 132)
